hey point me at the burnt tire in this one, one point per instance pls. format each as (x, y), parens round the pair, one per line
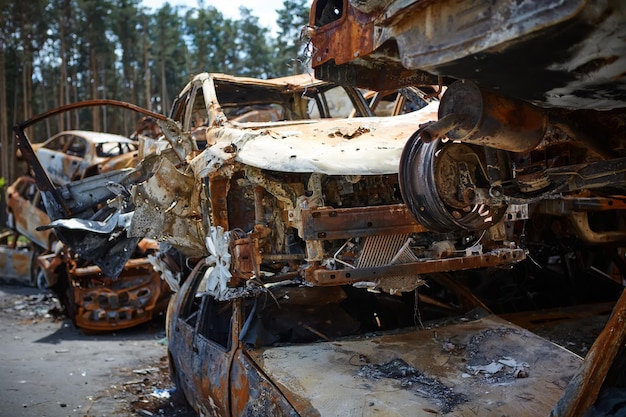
(431, 176)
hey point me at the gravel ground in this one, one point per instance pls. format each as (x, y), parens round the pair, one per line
(50, 368)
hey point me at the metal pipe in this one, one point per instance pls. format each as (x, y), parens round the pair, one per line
(442, 126)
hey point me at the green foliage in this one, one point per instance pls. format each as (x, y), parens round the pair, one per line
(292, 18)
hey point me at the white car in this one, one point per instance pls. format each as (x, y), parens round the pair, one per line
(66, 155)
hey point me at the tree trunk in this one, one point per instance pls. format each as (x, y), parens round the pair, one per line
(63, 87)
(94, 80)
(164, 97)
(146, 65)
(4, 125)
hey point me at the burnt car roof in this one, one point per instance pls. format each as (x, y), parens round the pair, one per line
(292, 82)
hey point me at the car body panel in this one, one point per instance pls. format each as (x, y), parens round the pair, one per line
(321, 147)
(135, 297)
(26, 211)
(16, 261)
(203, 377)
(416, 373)
(253, 393)
(472, 364)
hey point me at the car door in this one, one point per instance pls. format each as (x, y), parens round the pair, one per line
(50, 156)
(214, 349)
(78, 156)
(185, 313)
(201, 346)
(33, 211)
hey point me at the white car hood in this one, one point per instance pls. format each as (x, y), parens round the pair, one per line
(354, 146)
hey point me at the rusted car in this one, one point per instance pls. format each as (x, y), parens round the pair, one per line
(68, 154)
(26, 212)
(531, 121)
(18, 261)
(92, 300)
(316, 198)
(308, 240)
(97, 302)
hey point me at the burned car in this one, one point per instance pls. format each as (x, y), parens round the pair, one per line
(68, 154)
(534, 99)
(283, 224)
(25, 212)
(303, 237)
(93, 299)
(96, 302)
(17, 260)
(313, 198)
(335, 350)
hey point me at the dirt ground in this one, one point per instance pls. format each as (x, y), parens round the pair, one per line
(50, 368)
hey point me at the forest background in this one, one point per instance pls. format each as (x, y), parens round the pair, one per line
(57, 52)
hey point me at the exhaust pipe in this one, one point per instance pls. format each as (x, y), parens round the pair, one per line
(471, 115)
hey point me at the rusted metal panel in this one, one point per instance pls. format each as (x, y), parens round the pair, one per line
(344, 36)
(168, 207)
(254, 394)
(417, 373)
(105, 304)
(16, 264)
(573, 50)
(348, 276)
(332, 223)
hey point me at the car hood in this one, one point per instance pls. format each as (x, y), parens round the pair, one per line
(484, 367)
(353, 146)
